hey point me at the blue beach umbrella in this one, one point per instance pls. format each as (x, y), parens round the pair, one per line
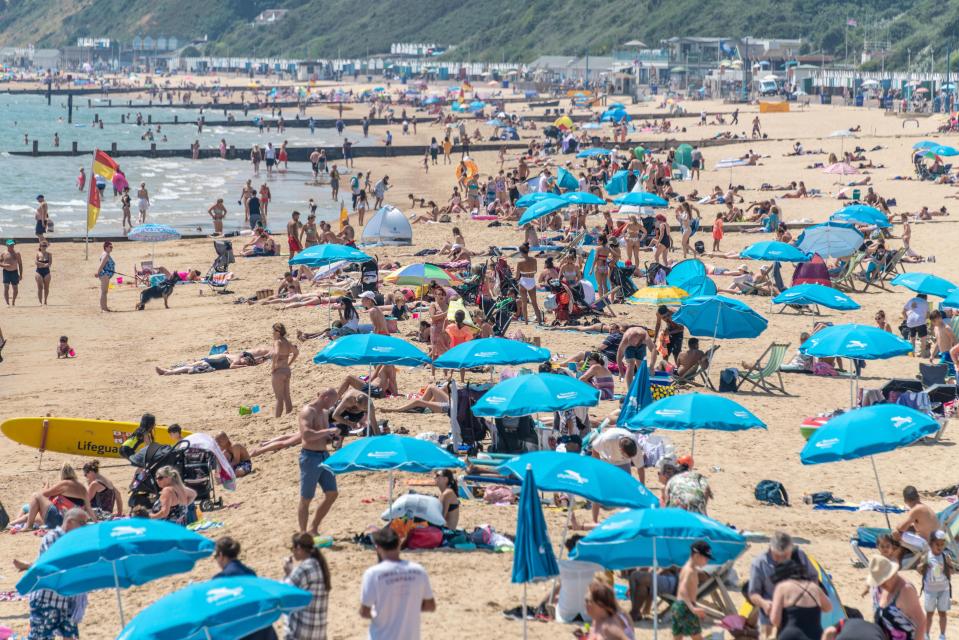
(775, 251)
(583, 476)
(818, 294)
(566, 180)
(654, 538)
(542, 208)
(925, 144)
(153, 233)
(321, 255)
(690, 276)
(593, 152)
(720, 317)
(583, 197)
(532, 198)
(944, 150)
(432, 100)
(477, 105)
(491, 351)
(615, 115)
(951, 301)
(533, 558)
(528, 394)
(221, 609)
(370, 349)
(830, 240)
(865, 432)
(641, 199)
(618, 183)
(692, 411)
(115, 554)
(924, 283)
(638, 397)
(862, 214)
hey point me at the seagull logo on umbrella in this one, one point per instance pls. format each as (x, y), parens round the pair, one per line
(669, 412)
(126, 531)
(567, 395)
(856, 344)
(569, 474)
(381, 454)
(899, 422)
(827, 443)
(214, 596)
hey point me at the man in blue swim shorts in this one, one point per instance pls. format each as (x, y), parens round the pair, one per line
(316, 437)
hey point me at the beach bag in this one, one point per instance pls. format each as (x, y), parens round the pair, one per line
(425, 538)
(728, 380)
(772, 492)
(700, 247)
(660, 391)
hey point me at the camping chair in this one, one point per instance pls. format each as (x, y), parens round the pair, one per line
(142, 273)
(700, 371)
(846, 280)
(218, 281)
(712, 594)
(867, 537)
(760, 375)
(878, 277)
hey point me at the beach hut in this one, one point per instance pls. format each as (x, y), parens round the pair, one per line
(388, 226)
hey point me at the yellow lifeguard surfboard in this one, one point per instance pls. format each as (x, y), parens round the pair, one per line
(76, 436)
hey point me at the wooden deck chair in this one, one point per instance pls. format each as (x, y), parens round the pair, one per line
(761, 374)
(699, 372)
(712, 595)
(846, 280)
(954, 324)
(879, 277)
(142, 272)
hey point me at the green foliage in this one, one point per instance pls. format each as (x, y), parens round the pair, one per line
(492, 30)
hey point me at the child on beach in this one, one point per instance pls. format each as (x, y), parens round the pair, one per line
(63, 348)
(687, 617)
(717, 231)
(936, 569)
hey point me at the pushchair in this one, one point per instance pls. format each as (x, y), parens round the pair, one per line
(196, 466)
(218, 276)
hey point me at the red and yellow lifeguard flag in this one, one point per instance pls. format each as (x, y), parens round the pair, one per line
(105, 167)
(344, 216)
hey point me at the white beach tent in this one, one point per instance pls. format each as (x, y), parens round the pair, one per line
(390, 226)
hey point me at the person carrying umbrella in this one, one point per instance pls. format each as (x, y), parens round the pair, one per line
(50, 613)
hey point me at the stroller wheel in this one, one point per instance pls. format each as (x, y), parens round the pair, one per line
(206, 505)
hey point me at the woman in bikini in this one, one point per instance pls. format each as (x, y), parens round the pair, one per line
(103, 497)
(245, 195)
(439, 308)
(688, 223)
(175, 499)
(284, 353)
(526, 272)
(663, 241)
(311, 236)
(598, 375)
(51, 503)
(434, 398)
(449, 496)
(44, 261)
(635, 232)
(265, 197)
(143, 202)
(601, 267)
(549, 272)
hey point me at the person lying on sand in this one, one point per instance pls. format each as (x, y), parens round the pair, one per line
(434, 398)
(289, 286)
(219, 362)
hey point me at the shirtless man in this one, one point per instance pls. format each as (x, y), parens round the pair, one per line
(12, 264)
(315, 162)
(42, 215)
(237, 455)
(690, 358)
(355, 410)
(945, 339)
(632, 350)
(316, 436)
(387, 373)
(289, 287)
(294, 228)
(920, 520)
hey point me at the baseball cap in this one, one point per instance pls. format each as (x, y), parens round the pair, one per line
(10, 242)
(369, 295)
(40, 197)
(702, 548)
(686, 461)
(939, 535)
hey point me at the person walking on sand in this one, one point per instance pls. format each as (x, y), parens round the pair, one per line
(687, 615)
(43, 261)
(284, 353)
(294, 228)
(316, 436)
(105, 271)
(12, 264)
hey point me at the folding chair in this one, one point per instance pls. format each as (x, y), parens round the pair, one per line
(760, 375)
(142, 273)
(846, 280)
(712, 594)
(218, 281)
(700, 371)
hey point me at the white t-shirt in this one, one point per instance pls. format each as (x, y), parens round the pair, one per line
(395, 592)
(935, 580)
(574, 579)
(606, 444)
(270, 153)
(916, 310)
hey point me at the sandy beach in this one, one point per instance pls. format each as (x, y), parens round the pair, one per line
(113, 377)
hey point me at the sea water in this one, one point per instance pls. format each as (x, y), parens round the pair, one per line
(181, 190)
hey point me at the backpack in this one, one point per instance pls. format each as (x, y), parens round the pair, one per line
(772, 492)
(728, 380)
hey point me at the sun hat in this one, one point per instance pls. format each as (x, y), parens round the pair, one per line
(880, 570)
(369, 295)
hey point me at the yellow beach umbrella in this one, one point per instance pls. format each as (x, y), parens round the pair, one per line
(563, 121)
(658, 294)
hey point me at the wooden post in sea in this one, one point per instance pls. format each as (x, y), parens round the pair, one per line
(69, 108)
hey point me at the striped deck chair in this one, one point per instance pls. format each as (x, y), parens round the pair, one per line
(761, 374)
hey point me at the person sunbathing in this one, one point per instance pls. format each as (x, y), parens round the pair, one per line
(288, 287)
(434, 398)
(355, 412)
(219, 362)
(798, 193)
(261, 244)
(768, 187)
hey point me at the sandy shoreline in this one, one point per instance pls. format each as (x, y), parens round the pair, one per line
(113, 378)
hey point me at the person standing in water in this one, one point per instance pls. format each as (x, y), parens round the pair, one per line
(42, 216)
(143, 202)
(217, 213)
(125, 203)
(284, 353)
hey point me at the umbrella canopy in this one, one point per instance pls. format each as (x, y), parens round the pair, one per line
(817, 294)
(774, 250)
(951, 301)
(583, 476)
(720, 317)
(857, 341)
(370, 349)
(861, 214)
(391, 453)
(420, 274)
(534, 197)
(695, 411)
(658, 294)
(221, 609)
(924, 283)
(321, 255)
(637, 397)
(477, 105)
(566, 180)
(153, 233)
(528, 394)
(867, 431)
(648, 537)
(830, 240)
(615, 115)
(841, 169)
(925, 144)
(115, 553)
(491, 351)
(593, 152)
(944, 150)
(583, 197)
(564, 122)
(542, 208)
(690, 276)
(533, 557)
(641, 199)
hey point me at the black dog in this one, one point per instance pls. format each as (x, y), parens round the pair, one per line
(161, 290)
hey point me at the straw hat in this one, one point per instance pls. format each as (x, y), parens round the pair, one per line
(880, 570)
